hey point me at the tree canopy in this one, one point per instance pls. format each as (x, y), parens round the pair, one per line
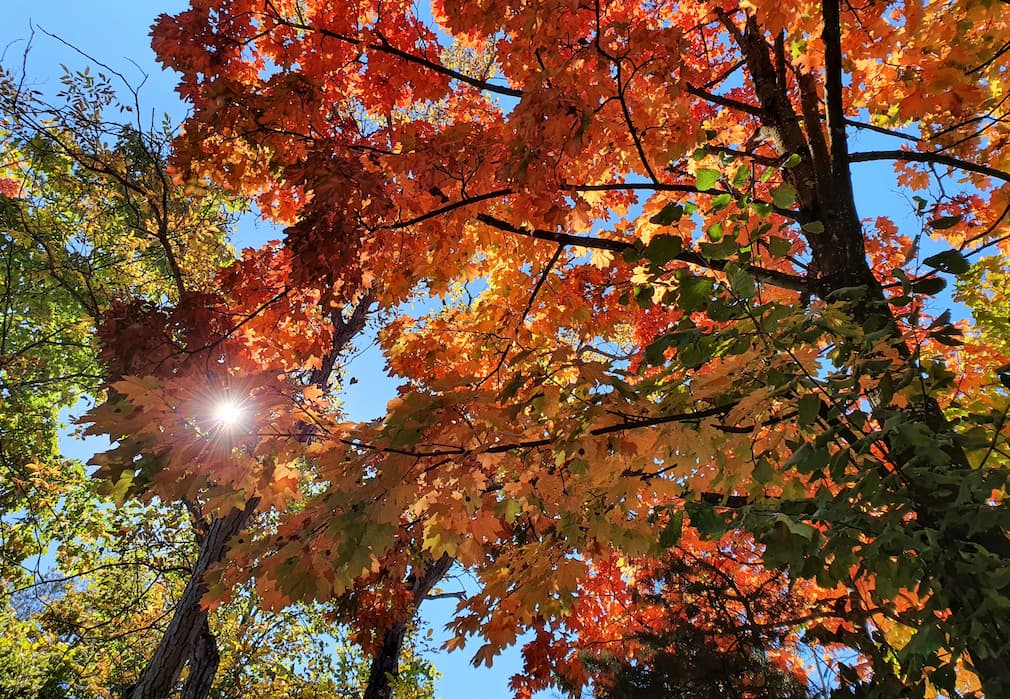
(670, 386)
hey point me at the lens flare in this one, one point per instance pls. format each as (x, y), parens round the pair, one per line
(228, 413)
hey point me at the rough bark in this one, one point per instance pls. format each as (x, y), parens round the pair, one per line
(202, 665)
(386, 662)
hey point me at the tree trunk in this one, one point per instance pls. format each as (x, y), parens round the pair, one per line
(182, 638)
(386, 662)
(202, 665)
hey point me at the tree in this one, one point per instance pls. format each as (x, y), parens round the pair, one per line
(704, 620)
(92, 222)
(87, 215)
(660, 302)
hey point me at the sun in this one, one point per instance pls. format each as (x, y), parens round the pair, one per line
(228, 413)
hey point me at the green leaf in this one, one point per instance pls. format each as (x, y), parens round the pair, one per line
(926, 641)
(784, 195)
(705, 178)
(694, 349)
(512, 510)
(949, 261)
(122, 488)
(808, 458)
(741, 176)
(643, 295)
(663, 248)
(792, 161)
(809, 408)
(740, 281)
(779, 247)
(695, 293)
(721, 201)
(838, 463)
(763, 472)
(804, 531)
(718, 251)
(655, 351)
(632, 253)
(814, 227)
(669, 214)
(945, 222)
(705, 519)
(670, 536)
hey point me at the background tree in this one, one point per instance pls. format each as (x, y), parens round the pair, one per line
(92, 222)
(705, 620)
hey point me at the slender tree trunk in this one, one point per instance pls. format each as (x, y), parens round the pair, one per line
(385, 666)
(183, 636)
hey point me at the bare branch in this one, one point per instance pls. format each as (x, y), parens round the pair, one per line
(934, 158)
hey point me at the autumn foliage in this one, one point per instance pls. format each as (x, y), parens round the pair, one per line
(666, 380)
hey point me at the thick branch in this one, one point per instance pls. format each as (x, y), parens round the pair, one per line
(834, 109)
(770, 276)
(343, 332)
(934, 158)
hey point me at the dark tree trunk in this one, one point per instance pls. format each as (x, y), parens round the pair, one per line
(185, 632)
(386, 662)
(202, 665)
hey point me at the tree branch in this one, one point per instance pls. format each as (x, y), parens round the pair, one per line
(834, 109)
(385, 47)
(855, 123)
(935, 158)
(452, 207)
(770, 276)
(727, 102)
